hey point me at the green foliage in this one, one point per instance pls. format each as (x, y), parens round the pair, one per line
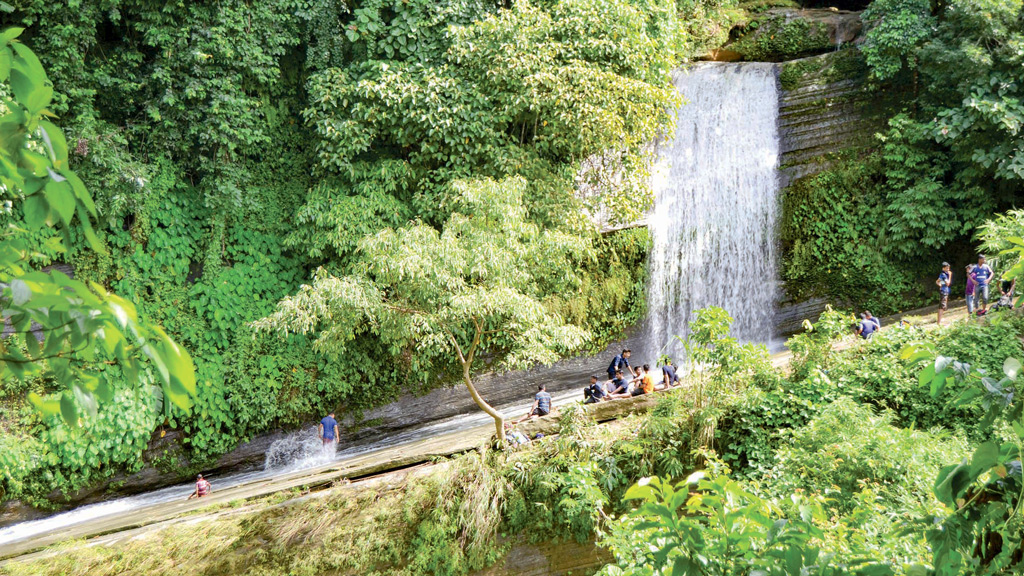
(449, 302)
(897, 29)
(63, 327)
(847, 446)
(980, 533)
(710, 524)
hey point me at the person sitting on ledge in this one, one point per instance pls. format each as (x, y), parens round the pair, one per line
(618, 387)
(668, 373)
(594, 393)
(644, 382)
(541, 404)
(203, 488)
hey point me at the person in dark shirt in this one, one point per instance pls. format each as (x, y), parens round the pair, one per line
(618, 387)
(1006, 289)
(594, 392)
(620, 362)
(668, 373)
(328, 431)
(982, 275)
(868, 325)
(943, 282)
(541, 404)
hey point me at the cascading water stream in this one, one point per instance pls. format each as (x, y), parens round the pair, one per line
(716, 198)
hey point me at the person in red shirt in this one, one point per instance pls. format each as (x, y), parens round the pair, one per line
(203, 488)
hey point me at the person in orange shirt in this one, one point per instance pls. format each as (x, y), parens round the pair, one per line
(644, 382)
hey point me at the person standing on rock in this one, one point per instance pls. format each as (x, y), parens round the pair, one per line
(982, 275)
(943, 282)
(328, 431)
(203, 488)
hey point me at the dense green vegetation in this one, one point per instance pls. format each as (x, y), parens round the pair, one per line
(328, 204)
(235, 149)
(942, 83)
(852, 474)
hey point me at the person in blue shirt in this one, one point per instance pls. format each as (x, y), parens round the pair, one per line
(943, 282)
(868, 325)
(594, 392)
(620, 362)
(618, 387)
(982, 275)
(668, 373)
(328, 431)
(541, 404)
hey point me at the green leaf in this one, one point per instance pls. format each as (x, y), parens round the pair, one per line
(639, 492)
(59, 196)
(20, 292)
(10, 34)
(986, 456)
(55, 141)
(44, 407)
(37, 211)
(68, 409)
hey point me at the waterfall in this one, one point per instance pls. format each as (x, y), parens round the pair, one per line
(713, 222)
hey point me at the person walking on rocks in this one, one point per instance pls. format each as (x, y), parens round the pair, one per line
(328, 432)
(943, 282)
(203, 488)
(982, 275)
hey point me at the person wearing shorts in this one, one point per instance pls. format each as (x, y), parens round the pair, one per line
(541, 404)
(328, 431)
(943, 282)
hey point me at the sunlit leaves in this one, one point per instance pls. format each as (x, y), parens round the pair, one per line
(436, 294)
(63, 328)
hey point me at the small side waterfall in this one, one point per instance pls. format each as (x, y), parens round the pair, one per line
(713, 222)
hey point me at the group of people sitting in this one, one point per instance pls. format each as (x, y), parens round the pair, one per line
(641, 380)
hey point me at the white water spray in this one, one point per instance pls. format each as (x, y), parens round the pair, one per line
(716, 198)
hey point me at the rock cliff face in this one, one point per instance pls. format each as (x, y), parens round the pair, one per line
(824, 111)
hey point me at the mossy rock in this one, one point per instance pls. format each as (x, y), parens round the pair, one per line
(846, 64)
(782, 34)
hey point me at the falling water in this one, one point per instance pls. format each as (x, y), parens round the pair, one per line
(713, 223)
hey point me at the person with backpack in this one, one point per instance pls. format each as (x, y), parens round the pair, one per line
(982, 275)
(943, 282)
(620, 362)
(594, 393)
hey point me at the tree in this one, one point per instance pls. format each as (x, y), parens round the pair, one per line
(448, 302)
(80, 325)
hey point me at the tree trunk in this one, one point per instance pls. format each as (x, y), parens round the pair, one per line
(499, 420)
